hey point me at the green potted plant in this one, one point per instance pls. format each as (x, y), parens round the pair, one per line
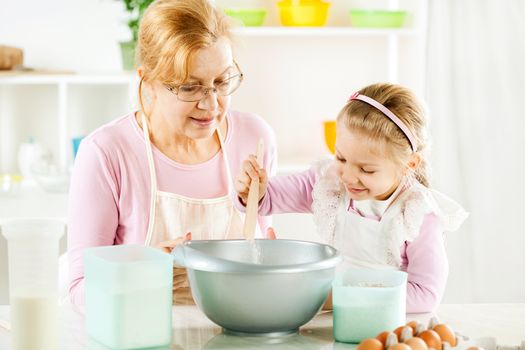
(135, 10)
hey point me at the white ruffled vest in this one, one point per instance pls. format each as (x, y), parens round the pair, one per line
(369, 243)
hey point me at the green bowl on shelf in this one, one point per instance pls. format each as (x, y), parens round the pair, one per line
(377, 18)
(250, 17)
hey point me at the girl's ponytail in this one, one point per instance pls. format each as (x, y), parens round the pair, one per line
(422, 173)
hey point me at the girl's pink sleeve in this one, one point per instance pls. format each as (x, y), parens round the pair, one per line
(427, 266)
(289, 194)
(92, 211)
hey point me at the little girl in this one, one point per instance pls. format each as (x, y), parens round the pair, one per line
(373, 202)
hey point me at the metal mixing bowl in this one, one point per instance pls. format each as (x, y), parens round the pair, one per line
(276, 296)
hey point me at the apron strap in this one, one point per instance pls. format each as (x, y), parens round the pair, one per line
(153, 176)
(226, 161)
(153, 179)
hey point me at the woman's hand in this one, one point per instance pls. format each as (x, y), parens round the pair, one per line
(328, 302)
(180, 277)
(249, 171)
(167, 246)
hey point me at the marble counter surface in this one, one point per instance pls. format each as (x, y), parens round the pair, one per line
(192, 330)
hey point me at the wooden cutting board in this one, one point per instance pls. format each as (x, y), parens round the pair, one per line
(10, 57)
(31, 71)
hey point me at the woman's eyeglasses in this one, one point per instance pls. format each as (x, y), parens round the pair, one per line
(195, 92)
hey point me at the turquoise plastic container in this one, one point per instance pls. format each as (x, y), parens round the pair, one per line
(128, 296)
(367, 302)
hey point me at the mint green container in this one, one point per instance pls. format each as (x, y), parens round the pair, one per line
(367, 302)
(128, 296)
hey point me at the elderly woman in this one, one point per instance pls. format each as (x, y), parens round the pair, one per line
(159, 173)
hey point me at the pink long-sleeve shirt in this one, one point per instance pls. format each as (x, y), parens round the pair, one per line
(424, 259)
(110, 190)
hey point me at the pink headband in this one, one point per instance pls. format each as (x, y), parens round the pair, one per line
(389, 114)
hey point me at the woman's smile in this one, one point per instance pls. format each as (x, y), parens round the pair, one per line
(203, 121)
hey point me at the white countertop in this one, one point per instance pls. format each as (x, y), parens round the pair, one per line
(192, 330)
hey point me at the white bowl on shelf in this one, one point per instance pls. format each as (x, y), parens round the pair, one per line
(56, 183)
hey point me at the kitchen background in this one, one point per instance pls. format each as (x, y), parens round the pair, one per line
(464, 57)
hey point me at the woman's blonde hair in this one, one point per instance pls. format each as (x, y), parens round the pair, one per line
(170, 34)
(361, 117)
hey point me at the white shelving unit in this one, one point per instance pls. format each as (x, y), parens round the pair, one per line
(391, 37)
(54, 108)
(321, 31)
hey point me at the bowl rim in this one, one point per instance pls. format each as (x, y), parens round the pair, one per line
(377, 12)
(246, 10)
(300, 4)
(204, 262)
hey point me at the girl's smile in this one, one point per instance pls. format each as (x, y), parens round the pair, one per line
(355, 190)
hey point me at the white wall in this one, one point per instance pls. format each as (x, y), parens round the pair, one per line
(79, 35)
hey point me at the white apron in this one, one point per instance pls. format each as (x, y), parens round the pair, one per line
(172, 216)
(361, 240)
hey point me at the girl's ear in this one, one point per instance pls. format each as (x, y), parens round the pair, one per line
(414, 161)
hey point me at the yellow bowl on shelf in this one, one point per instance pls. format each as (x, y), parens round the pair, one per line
(250, 17)
(329, 134)
(303, 12)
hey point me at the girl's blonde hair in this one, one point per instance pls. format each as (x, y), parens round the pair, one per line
(170, 34)
(361, 117)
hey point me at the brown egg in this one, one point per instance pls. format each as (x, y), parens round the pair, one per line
(413, 325)
(446, 334)
(399, 346)
(416, 344)
(382, 336)
(370, 344)
(419, 328)
(391, 340)
(431, 338)
(406, 333)
(432, 322)
(397, 331)
(403, 330)
(475, 348)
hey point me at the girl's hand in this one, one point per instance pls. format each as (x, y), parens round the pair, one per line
(270, 233)
(250, 171)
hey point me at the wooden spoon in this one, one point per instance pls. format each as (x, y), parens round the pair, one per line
(252, 203)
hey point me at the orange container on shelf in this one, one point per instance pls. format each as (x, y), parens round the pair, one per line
(329, 134)
(303, 12)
